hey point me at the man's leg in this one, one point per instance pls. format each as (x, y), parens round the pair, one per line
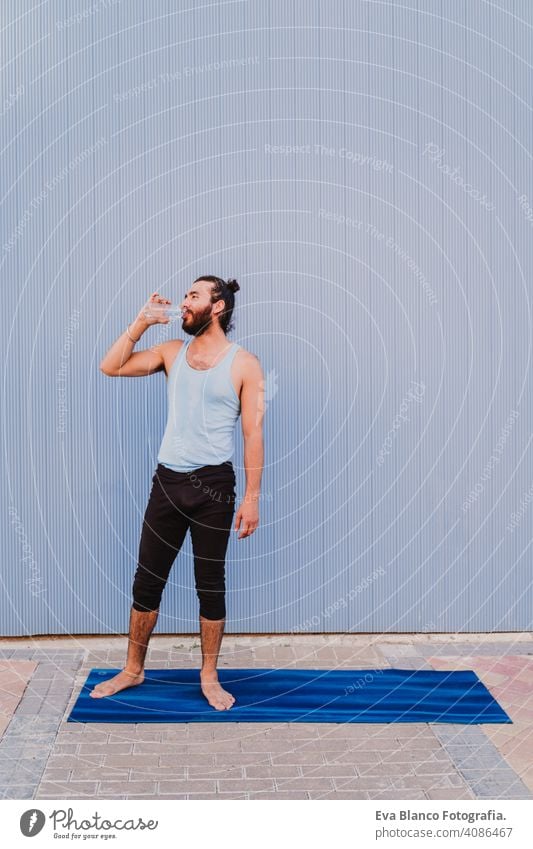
(163, 532)
(211, 631)
(210, 532)
(141, 626)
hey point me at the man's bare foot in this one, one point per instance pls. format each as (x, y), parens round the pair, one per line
(217, 697)
(116, 684)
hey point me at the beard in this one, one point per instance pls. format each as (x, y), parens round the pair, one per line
(197, 323)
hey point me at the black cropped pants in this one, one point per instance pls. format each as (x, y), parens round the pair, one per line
(204, 501)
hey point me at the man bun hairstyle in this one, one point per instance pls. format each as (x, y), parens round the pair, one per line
(223, 290)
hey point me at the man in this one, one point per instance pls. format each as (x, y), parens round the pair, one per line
(210, 382)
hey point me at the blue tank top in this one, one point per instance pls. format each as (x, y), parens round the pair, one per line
(203, 408)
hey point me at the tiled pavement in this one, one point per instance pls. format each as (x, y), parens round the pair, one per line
(44, 757)
(510, 679)
(14, 677)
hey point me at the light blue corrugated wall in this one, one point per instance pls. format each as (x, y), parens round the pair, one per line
(364, 169)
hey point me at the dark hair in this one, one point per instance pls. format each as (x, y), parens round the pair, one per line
(222, 290)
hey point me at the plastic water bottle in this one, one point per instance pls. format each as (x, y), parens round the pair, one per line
(155, 310)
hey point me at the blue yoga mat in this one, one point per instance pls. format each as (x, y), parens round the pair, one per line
(296, 695)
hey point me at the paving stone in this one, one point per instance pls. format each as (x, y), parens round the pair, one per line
(343, 731)
(191, 757)
(486, 789)
(325, 653)
(77, 736)
(213, 746)
(458, 734)
(25, 791)
(390, 770)
(256, 745)
(449, 793)
(113, 788)
(407, 755)
(104, 748)
(416, 741)
(278, 796)
(56, 774)
(96, 737)
(242, 730)
(179, 734)
(424, 782)
(428, 744)
(154, 655)
(120, 729)
(96, 773)
(27, 769)
(248, 785)
(305, 782)
(176, 797)
(358, 784)
(342, 795)
(234, 759)
(187, 786)
(140, 733)
(298, 758)
(328, 770)
(197, 732)
(28, 724)
(41, 689)
(116, 797)
(158, 773)
(500, 775)
(51, 711)
(45, 671)
(510, 795)
(214, 796)
(12, 748)
(131, 760)
(398, 794)
(267, 771)
(353, 757)
(484, 762)
(72, 761)
(283, 654)
(57, 790)
(236, 773)
(435, 768)
(460, 752)
(327, 745)
(356, 758)
(141, 747)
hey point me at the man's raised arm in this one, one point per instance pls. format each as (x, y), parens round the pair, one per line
(120, 361)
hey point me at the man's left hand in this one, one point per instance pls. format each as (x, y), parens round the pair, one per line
(247, 517)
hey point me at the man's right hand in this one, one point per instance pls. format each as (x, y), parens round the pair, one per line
(142, 321)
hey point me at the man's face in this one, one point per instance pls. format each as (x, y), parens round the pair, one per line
(198, 309)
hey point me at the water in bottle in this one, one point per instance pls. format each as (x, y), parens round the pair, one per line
(156, 310)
